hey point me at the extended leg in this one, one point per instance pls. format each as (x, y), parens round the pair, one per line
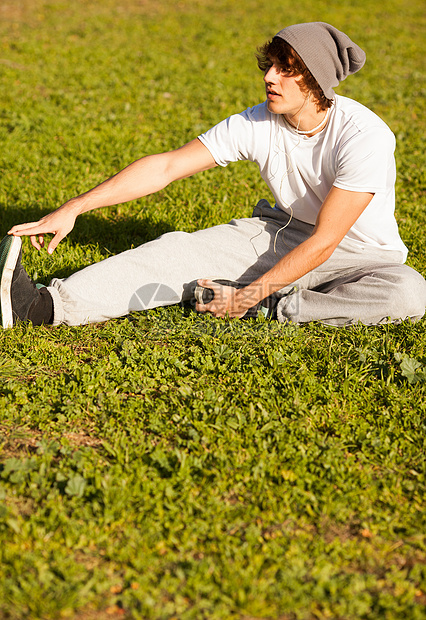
(161, 272)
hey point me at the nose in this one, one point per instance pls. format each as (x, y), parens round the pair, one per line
(270, 75)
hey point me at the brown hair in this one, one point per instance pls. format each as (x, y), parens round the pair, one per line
(277, 51)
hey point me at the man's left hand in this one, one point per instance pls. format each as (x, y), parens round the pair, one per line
(228, 301)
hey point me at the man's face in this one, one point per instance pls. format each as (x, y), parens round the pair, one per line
(283, 92)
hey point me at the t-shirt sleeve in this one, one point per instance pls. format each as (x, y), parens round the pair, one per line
(365, 160)
(232, 139)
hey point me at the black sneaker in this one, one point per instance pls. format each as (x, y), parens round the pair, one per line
(267, 307)
(20, 298)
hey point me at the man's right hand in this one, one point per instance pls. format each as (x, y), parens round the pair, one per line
(59, 222)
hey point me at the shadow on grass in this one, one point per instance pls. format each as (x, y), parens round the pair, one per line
(116, 235)
(110, 235)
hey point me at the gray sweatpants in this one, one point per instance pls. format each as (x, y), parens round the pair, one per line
(357, 283)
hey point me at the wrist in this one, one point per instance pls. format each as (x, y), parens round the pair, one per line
(77, 205)
(248, 296)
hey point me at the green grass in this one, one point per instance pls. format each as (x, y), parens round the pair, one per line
(170, 465)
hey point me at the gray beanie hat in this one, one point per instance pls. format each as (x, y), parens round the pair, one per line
(329, 54)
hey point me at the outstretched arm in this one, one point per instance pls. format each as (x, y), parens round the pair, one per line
(144, 176)
(338, 213)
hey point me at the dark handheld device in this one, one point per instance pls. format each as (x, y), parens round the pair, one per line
(205, 295)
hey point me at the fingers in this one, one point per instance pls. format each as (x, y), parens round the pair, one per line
(34, 242)
(54, 243)
(31, 229)
(37, 241)
(24, 229)
(206, 283)
(59, 223)
(222, 305)
(203, 307)
(200, 307)
(214, 286)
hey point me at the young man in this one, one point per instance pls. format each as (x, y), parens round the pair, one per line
(329, 250)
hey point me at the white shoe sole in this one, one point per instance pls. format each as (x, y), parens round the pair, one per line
(6, 282)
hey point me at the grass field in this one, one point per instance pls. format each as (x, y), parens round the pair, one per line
(169, 465)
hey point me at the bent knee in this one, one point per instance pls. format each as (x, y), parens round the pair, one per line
(408, 292)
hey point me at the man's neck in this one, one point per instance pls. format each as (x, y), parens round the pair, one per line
(308, 121)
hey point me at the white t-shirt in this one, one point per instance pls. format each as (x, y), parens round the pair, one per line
(355, 152)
